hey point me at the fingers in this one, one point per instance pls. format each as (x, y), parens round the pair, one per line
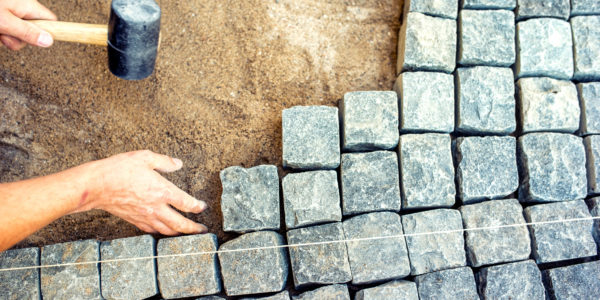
(159, 162)
(11, 42)
(146, 228)
(179, 223)
(35, 11)
(183, 201)
(162, 228)
(24, 31)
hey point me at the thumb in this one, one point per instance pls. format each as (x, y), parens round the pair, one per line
(27, 32)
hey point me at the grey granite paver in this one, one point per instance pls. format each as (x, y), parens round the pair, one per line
(210, 298)
(250, 198)
(456, 283)
(519, 281)
(489, 4)
(586, 45)
(369, 120)
(585, 7)
(592, 152)
(594, 205)
(20, 284)
(486, 37)
(329, 292)
(580, 281)
(543, 8)
(589, 101)
(443, 9)
(285, 295)
(399, 289)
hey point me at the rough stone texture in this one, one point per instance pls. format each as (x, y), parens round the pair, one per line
(544, 48)
(21, 284)
(589, 101)
(492, 246)
(547, 104)
(456, 283)
(543, 8)
(427, 171)
(319, 264)
(250, 198)
(330, 292)
(487, 167)
(592, 153)
(584, 7)
(486, 37)
(369, 120)
(485, 100)
(381, 259)
(427, 44)
(135, 279)
(434, 252)
(370, 182)
(560, 241)
(311, 137)
(71, 282)
(443, 9)
(520, 281)
(192, 275)
(586, 45)
(426, 102)
(211, 298)
(552, 167)
(580, 281)
(489, 4)
(594, 204)
(399, 289)
(285, 295)
(311, 198)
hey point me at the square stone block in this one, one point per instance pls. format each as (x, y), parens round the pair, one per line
(191, 275)
(486, 37)
(83, 281)
(544, 48)
(489, 4)
(370, 182)
(552, 167)
(427, 171)
(560, 241)
(285, 295)
(443, 9)
(543, 8)
(547, 104)
(369, 120)
(434, 252)
(485, 100)
(254, 271)
(594, 205)
(585, 7)
(330, 292)
(499, 245)
(586, 44)
(580, 281)
(399, 289)
(311, 198)
(456, 283)
(250, 198)
(589, 101)
(311, 137)
(426, 102)
(134, 279)
(427, 44)
(487, 167)
(519, 280)
(380, 259)
(20, 284)
(592, 152)
(325, 263)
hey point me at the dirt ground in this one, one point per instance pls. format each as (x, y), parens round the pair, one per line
(225, 71)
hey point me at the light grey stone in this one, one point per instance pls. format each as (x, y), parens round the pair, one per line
(311, 137)
(443, 9)
(486, 37)
(325, 263)
(380, 259)
(589, 101)
(594, 204)
(586, 45)
(544, 48)
(566, 240)
(552, 167)
(426, 102)
(20, 284)
(134, 279)
(519, 281)
(485, 100)
(285, 295)
(369, 120)
(592, 152)
(211, 298)
(250, 198)
(434, 252)
(580, 281)
(548, 104)
(75, 281)
(330, 292)
(456, 283)
(499, 245)
(311, 198)
(427, 171)
(370, 182)
(489, 4)
(399, 289)
(191, 275)
(543, 8)
(585, 7)
(427, 44)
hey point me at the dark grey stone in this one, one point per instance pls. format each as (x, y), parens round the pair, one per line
(443, 9)
(311, 198)
(250, 198)
(456, 283)
(369, 120)
(74, 281)
(486, 37)
(379, 259)
(566, 240)
(438, 251)
(589, 100)
(485, 100)
(427, 171)
(580, 281)
(489, 4)
(134, 279)
(594, 204)
(330, 292)
(370, 182)
(585, 7)
(399, 289)
(325, 263)
(592, 152)
(586, 45)
(519, 281)
(552, 167)
(311, 137)
(543, 8)
(285, 295)
(20, 284)
(191, 275)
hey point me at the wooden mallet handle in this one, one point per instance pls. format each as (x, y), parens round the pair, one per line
(75, 32)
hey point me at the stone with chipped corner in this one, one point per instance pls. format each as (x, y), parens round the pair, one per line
(585, 7)
(586, 45)
(285, 295)
(456, 283)
(443, 9)
(543, 8)
(486, 37)
(20, 284)
(594, 205)
(489, 4)
(592, 152)
(518, 280)
(589, 101)
(581, 281)
(329, 292)
(399, 289)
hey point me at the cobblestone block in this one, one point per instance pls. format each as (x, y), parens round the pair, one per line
(584, 7)
(586, 45)
(330, 292)
(210, 298)
(589, 101)
(399, 289)
(520, 280)
(543, 8)
(486, 37)
(20, 284)
(443, 9)
(580, 281)
(456, 283)
(489, 4)
(592, 152)
(594, 204)
(285, 295)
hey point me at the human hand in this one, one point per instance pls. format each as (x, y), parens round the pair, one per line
(15, 32)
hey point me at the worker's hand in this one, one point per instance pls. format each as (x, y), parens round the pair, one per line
(14, 32)
(128, 186)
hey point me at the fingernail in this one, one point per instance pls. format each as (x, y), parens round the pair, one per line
(202, 229)
(202, 205)
(178, 162)
(45, 39)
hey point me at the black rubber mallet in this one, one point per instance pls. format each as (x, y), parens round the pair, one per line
(132, 36)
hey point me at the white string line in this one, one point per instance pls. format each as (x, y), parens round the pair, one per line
(116, 260)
